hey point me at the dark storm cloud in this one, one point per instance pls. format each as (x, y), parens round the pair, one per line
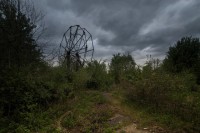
(138, 26)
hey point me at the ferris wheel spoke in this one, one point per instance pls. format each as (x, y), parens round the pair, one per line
(67, 42)
(86, 51)
(80, 39)
(75, 34)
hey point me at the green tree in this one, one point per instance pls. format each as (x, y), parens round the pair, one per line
(98, 75)
(184, 55)
(18, 52)
(17, 46)
(120, 65)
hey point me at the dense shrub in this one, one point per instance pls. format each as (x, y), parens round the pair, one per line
(99, 76)
(92, 76)
(18, 93)
(152, 89)
(184, 56)
(80, 79)
(120, 65)
(25, 95)
(177, 95)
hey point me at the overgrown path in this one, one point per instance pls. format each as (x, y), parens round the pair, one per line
(58, 122)
(98, 112)
(121, 115)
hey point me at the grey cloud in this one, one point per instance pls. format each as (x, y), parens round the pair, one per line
(125, 25)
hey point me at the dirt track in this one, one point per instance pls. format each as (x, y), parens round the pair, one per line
(119, 118)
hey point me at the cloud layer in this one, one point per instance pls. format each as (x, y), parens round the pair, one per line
(140, 27)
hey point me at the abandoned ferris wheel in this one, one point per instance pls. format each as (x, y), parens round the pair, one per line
(76, 47)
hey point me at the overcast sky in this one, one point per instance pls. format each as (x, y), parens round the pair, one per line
(141, 27)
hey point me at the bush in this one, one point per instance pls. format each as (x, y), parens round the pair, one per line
(92, 76)
(120, 65)
(80, 79)
(169, 94)
(152, 90)
(99, 74)
(18, 92)
(25, 96)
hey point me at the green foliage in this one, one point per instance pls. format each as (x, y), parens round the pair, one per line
(24, 100)
(121, 65)
(151, 88)
(19, 93)
(27, 85)
(151, 63)
(22, 129)
(185, 55)
(55, 74)
(17, 46)
(89, 113)
(168, 94)
(92, 76)
(99, 77)
(70, 121)
(80, 79)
